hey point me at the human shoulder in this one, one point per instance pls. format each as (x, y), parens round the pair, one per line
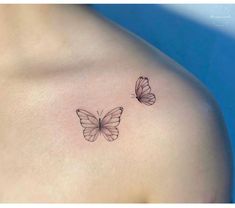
(186, 147)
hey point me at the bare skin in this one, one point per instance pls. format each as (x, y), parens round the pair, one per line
(56, 59)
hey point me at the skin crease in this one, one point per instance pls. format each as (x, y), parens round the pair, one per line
(56, 59)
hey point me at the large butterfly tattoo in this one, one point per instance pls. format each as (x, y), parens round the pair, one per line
(107, 126)
(143, 91)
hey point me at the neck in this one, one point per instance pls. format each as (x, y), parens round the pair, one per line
(22, 25)
(33, 23)
(32, 33)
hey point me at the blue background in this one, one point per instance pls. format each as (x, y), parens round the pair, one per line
(204, 43)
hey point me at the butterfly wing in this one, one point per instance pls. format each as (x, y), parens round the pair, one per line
(142, 87)
(137, 84)
(110, 133)
(143, 91)
(110, 122)
(91, 134)
(148, 99)
(90, 124)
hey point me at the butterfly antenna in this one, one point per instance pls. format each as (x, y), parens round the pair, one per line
(133, 95)
(101, 112)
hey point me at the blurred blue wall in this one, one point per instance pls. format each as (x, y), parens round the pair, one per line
(204, 43)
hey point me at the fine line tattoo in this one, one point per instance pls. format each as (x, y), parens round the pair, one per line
(107, 126)
(143, 91)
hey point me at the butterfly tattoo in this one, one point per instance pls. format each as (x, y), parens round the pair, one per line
(107, 126)
(143, 91)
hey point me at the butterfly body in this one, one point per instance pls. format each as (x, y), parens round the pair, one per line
(100, 124)
(107, 126)
(138, 98)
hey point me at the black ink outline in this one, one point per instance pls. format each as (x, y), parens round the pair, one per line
(143, 91)
(94, 127)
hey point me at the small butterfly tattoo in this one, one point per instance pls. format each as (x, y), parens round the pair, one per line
(107, 126)
(143, 91)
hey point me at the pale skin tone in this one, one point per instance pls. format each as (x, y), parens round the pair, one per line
(56, 59)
